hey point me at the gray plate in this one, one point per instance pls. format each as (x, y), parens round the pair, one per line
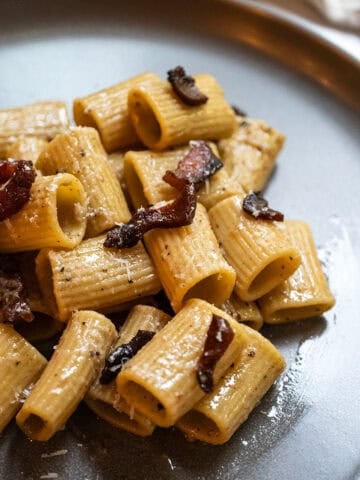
(307, 426)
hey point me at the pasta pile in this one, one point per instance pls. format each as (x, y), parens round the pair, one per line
(227, 269)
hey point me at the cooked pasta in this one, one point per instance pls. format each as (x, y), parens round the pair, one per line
(228, 262)
(215, 418)
(116, 161)
(189, 262)
(250, 153)
(124, 418)
(27, 148)
(244, 312)
(257, 249)
(104, 399)
(305, 293)
(107, 111)
(20, 366)
(71, 370)
(55, 216)
(160, 381)
(80, 153)
(162, 120)
(108, 277)
(143, 171)
(26, 264)
(42, 120)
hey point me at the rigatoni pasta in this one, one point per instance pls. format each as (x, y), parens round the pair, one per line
(219, 414)
(160, 381)
(81, 153)
(55, 216)
(144, 171)
(20, 366)
(107, 111)
(109, 277)
(203, 370)
(73, 367)
(305, 293)
(244, 312)
(27, 148)
(250, 153)
(162, 120)
(124, 417)
(258, 250)
(42, 120)
(104, 399)
(26, 264)
(189, 262)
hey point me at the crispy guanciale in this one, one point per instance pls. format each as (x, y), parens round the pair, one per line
(14, 304)
(258, 207)
(16, 179)
(185, 88)
(218, 338)
(122, 354)
(197, 166)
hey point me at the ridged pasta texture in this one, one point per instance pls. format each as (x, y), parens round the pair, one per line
(43, 120)
(81, 153)
(144, 171)
(109, 277)
(75, 364)
(160, 381)
(162, 120)
(216, 417)
(189, 262)
(107, 111)
(250, 153)
(258, 250)
(55, 216)
(27, 148)
(305, 293)
(244, 312)
(104, 399)
(20, 365)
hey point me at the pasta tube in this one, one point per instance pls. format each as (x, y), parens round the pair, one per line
(189, 262)
(216, 417)
(26, 148)
(80, 153)
(20, 366)
(26, 265)
(43, 120)
(258, 250)
(250, 153)
(116, 161)
(126, 419)
(43, 325)
(103, 399)
(160, 381)
(92, 277)
(306, 293)
(162, 120)
(244, 312)
(53, 217)
(144, 171)
(107, 111)
(71, 370)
